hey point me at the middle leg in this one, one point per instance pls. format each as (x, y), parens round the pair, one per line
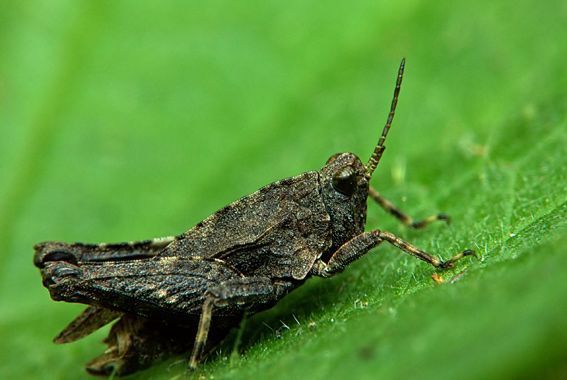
(237, 293)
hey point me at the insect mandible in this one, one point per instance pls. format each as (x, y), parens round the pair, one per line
(169, 293)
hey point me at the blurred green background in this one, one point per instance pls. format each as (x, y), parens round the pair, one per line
(130, 120)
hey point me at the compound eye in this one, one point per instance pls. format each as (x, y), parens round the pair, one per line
(345, 181)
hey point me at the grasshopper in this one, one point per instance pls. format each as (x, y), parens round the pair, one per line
(174, 293)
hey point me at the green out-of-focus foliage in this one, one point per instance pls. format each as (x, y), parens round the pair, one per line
(126, 120)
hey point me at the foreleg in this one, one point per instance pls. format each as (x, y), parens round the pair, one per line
(400, 215)
(363, 243)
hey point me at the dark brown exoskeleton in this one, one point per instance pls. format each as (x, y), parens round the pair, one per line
(169, 293)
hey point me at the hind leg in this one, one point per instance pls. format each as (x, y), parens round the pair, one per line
(135, 343)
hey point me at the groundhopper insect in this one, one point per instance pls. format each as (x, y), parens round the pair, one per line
(172, 294)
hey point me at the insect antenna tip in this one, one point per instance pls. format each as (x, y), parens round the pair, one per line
(380, 147)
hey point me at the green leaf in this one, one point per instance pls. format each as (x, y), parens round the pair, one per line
(129, 120)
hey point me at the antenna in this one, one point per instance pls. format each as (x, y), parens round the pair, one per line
(379, 149)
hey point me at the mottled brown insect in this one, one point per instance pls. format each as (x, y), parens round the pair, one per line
(173, 294)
